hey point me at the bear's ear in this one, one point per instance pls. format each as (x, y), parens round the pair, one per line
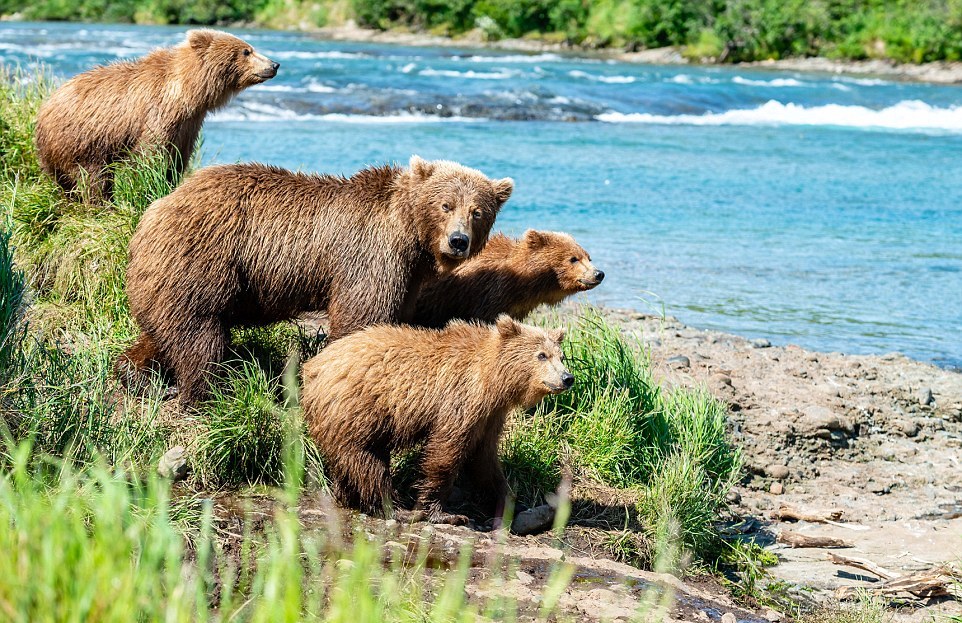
(421, 168)
(200, 40)
(507, 327)
(535, 239)
(557, 335)
(503, 189)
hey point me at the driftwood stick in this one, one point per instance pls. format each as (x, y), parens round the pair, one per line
(864, 565)
(789, 513)
(797, 539)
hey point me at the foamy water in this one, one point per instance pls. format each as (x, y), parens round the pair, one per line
(906, 115)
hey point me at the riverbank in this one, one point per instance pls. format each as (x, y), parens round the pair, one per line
(935, 72)
(939, 72)
(875, 437)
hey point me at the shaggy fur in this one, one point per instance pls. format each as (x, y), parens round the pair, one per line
(101, 116)
(388, 389)
(509, 277)
(252, 244)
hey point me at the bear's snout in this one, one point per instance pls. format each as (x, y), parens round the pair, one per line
(567, 379)
(269, 67)
(592, 278)
(459, 243)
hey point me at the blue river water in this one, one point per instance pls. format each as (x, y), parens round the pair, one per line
(822, 210)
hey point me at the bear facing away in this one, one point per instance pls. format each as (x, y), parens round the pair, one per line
(251, 244)
(157, 102)
(390, 388)
(509, 277)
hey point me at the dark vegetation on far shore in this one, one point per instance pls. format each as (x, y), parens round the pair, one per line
(908, 31)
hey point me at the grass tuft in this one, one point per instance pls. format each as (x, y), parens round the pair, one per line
(247, 433)
(619, 427)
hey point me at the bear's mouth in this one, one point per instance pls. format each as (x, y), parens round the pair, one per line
(266, 75)
(587, 284)
(554, 389)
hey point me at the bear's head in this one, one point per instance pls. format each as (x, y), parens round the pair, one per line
(232, 60)
(533, 355)
(455, 206)
(559, 253)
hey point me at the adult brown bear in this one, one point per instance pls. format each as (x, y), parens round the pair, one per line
(251, 244)
(157, 102)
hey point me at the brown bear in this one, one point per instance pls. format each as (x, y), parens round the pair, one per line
(251, 244)
(509, 277)
(101, 116)
(390, 388)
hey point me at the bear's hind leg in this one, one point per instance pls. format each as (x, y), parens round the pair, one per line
(361, 479)
(134, 363)
(198, 348)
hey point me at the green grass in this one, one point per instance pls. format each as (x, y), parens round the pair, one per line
(910, 31)
(620, 428)
(78, 489)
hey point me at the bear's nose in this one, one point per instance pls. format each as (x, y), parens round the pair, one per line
(599, 276)
(275, 65)
(458, 242)
(567, 379)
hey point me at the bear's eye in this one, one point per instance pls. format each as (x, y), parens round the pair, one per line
(445, 207)
(247, 52)
(477, 214)
(542, 357)
(573, 260)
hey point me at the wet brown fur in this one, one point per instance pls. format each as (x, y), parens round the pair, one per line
(251, 244)
(391, 388)
(509, 277)
(159, 101)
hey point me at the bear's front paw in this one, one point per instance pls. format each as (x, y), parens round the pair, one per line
(448, 518)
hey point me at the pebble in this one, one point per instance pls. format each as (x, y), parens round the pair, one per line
(173, 464)
(772, 615)
(533, 520)
(878, 488)
(733, 497)
(760, 342)
(776, 489)
(909, 428)
(778, 472)
(925, 397)
(524, 578)
(728, 617)
(679, 361)
(390, 523)
(720, 380)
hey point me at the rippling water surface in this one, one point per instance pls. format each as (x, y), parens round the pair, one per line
(816, 209)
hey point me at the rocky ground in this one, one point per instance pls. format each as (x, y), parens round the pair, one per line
(878, 438)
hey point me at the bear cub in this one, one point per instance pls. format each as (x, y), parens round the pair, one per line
(250, 244)
(509, 277)
(391, 388)
(104, 115)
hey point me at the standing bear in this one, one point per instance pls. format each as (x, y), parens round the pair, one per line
(509, 277)
(391, 388)
(158, 102)
(252, 244)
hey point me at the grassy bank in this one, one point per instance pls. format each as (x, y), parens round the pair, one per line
(78, 495)
(722, 30)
